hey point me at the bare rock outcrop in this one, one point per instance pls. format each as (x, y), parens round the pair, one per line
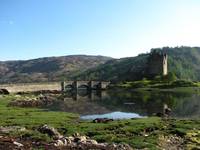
(79, 142)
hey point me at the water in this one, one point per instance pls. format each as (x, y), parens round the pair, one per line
(125, 104)
(113, 115)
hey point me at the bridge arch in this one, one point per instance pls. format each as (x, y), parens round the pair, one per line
(89, 85)
(69, 86)
(83, 86)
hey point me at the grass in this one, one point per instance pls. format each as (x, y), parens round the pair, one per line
(158, 84)
(30, 117)
(139, 133)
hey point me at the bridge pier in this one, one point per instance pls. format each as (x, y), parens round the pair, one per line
(91, 85)
(75, 85)
(63, 86)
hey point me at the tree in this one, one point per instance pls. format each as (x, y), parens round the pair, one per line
(170, 77)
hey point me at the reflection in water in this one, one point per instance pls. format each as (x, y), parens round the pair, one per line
(113, 115)
(141, 103)
(85, 94)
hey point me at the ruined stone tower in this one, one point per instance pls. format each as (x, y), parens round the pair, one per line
(157, 64)
(165, 67)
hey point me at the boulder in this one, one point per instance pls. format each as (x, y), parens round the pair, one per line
(18, 144)
(11, 129)
(4, 92)
(59, 143)
(52, 132)
(80, 139)
(102, 120)
(92, 142)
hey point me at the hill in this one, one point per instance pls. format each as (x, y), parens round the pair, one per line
(183, 61)
(47, 69)
(117, 70)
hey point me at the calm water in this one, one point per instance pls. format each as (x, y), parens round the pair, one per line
(113, 115)
(120, 104)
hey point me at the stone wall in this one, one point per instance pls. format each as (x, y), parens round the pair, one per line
(157, 64)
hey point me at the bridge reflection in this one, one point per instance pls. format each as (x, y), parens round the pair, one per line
(85, 94)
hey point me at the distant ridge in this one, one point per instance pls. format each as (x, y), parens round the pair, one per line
(47, 68)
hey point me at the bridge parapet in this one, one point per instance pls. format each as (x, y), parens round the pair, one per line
(90, 85)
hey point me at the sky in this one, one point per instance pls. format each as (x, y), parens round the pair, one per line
(117, 28)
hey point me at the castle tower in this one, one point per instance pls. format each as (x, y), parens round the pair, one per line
(165, 69)
(157, 64)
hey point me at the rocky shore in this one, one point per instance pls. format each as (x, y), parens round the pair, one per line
(60, 142)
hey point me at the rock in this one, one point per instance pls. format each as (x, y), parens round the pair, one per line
(34, 102)
(58, 143)
(70, 138)
(166, 110)
(65, 141)
(4, 92)
(80, 142)
(102, 120)
(21, 93)
(171, 142)
(123, 147)
(119, 147)
(76, 134)
(52, 132)
(91, 142)
(18, 144)
(112, 146)
(11, 129)
(80, 139)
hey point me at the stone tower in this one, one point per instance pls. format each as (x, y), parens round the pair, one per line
(165, 67)
(157, 64)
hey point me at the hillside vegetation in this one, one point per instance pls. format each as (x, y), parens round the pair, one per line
(184, 62)
(47, 69)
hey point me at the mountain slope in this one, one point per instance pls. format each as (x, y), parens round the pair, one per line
(47, 69)
(117, 70)
(183, 61)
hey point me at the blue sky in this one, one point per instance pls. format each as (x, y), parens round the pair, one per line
(116, 28)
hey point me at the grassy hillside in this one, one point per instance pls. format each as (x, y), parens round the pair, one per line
(47, 69)
(183, 61)
(119, 69)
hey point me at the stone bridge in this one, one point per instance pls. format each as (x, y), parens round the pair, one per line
(90, 85)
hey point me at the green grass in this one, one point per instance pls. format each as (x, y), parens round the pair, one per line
(30, 117)
(158, 84)
(130, 131)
